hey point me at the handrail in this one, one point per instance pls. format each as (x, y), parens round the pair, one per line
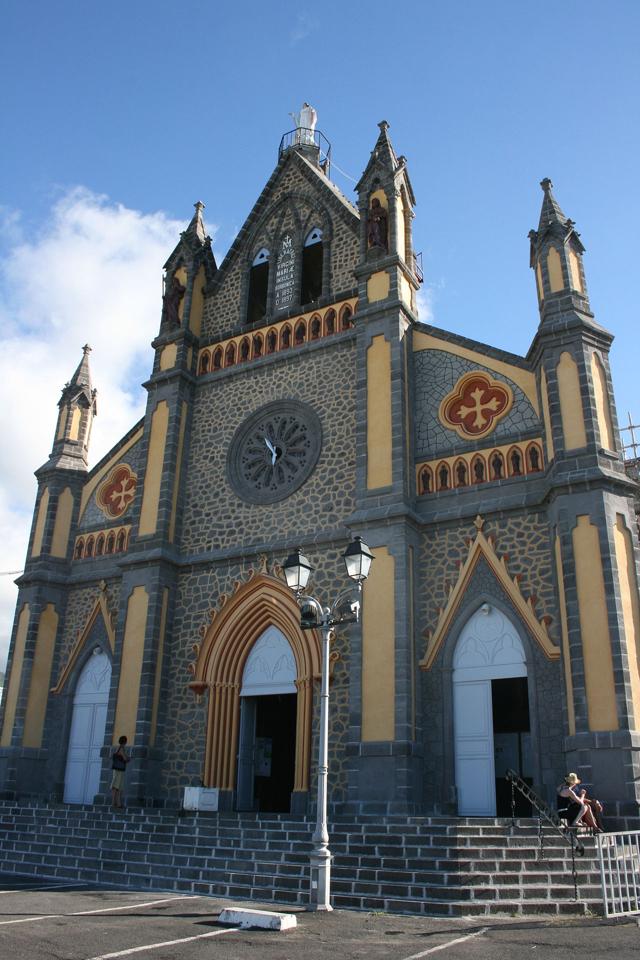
(567, 834)
(544, 810)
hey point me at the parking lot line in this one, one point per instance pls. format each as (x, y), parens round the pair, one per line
(165, 943)
(441, 946)
(87, 913)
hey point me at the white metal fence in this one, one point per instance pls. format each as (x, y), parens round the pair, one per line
(619, 855)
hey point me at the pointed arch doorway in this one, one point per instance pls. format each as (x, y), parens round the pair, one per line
(267, 742)
(244, 715)
(491, 718)
(86, 737)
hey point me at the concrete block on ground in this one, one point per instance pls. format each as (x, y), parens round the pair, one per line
(264, 919)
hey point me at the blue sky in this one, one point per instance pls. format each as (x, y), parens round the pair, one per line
(116, 118)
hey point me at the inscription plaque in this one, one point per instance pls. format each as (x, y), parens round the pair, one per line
(285, 273)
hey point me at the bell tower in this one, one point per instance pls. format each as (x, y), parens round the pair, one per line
(77, 408)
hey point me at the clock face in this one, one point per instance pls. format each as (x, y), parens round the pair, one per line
(274, 451)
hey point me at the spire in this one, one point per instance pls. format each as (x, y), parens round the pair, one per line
(553, 223)
(77, 408)
(81, 380)
(383, 158)
(550, 212)
(196, 229)
(556, 257)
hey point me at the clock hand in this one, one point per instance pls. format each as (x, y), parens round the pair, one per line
(274, 455)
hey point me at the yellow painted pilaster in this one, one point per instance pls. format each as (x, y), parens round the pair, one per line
(378, 649)
(62, 525)
(564, 626)
(548, 432)
(74, 428)
(603, 408)
(554, 266)
(153, 473)
(630, 608)
(379, 465)
(62, 422)
(573, 428)
(131, 668)
(40, 522)
(168, 356)
(574, 272)
(378, 286)
(40, 678)
(15, 677)
(594, 627)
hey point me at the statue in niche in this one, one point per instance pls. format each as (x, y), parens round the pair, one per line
(377, 225)
(171, 300)
(305, 122)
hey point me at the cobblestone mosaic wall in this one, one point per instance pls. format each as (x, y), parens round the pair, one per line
(223, 310)
(214, 516)
(525, 540)
(184, 724)
(436, 373)
(80, 603)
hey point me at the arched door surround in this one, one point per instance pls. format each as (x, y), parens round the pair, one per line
(86, 736)
(261, 603)
(488, 649)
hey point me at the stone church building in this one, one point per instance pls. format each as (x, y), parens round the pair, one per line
(296, 400)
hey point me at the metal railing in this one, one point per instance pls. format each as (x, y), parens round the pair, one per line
(305, 137)
(619, 856)
(545, 812)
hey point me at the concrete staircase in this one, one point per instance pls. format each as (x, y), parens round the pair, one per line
(432, 866)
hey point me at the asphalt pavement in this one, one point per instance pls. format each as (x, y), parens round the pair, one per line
(49, 920)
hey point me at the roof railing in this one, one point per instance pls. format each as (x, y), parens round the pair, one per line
(305, 137)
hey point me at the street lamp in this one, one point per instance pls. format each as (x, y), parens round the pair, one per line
(345, 609)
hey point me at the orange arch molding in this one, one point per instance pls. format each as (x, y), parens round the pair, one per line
(262, 602)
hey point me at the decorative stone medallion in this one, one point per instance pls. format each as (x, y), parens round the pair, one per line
(475, 406)
(117, 491)
(274, 451)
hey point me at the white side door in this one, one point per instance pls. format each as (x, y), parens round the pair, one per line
(88, 722)
(475, 767)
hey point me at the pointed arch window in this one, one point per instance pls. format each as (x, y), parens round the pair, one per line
(258, 287)
(312, 258)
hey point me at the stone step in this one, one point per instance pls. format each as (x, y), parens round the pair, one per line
(441, 866)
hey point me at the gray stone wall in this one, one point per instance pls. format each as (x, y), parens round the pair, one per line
(214, 518)
(81, 601)
(223, 310)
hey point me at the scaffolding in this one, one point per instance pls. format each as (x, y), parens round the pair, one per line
(631, 450)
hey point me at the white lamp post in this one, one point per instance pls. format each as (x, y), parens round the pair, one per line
(345, 609)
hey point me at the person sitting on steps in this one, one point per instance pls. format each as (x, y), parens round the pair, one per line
(570, 805)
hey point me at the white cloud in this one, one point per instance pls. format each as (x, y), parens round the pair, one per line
(91, 273)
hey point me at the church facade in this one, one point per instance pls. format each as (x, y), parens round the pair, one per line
(296, 400)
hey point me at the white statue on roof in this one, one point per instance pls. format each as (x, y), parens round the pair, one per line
(305, 122)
